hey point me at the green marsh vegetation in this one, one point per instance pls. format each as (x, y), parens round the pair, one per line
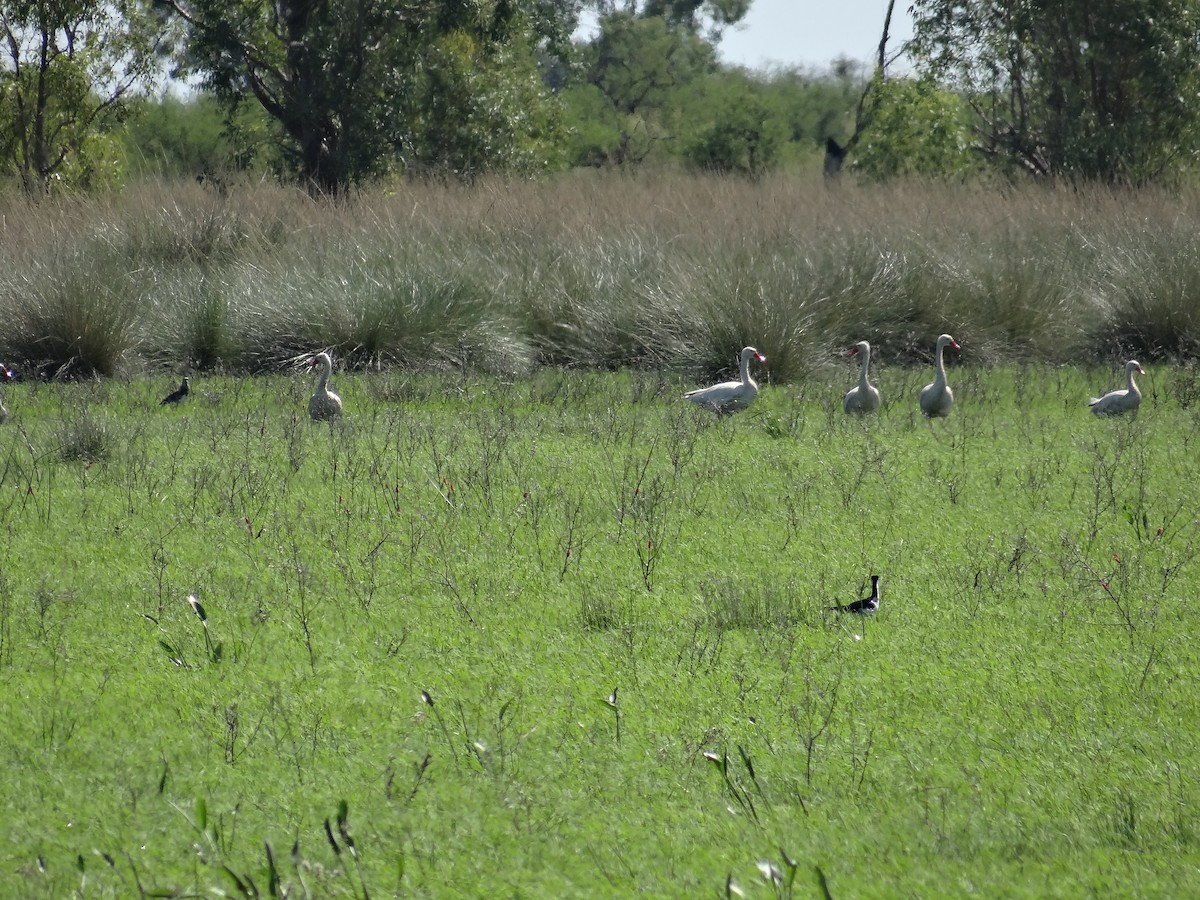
(523, 623)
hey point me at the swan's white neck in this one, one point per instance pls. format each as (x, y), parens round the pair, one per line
(939, 364)
(746, 379)
(326, 371)
(866, 364)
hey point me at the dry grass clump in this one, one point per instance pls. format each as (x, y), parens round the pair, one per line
(376, 303)
(69, 315)
(599, 271)
(1146, 305)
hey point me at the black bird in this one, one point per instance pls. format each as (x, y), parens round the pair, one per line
(178, 394)
(867, 606)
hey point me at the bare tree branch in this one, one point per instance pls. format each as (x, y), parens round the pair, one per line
(835, 153)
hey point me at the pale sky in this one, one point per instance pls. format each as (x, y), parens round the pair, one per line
(813, 33)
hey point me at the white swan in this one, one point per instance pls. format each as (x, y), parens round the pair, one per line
(730, 396)
(865, 397)
(1116, 403)
(325, 404)
(937, 398)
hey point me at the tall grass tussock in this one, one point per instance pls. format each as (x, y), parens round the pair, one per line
(665, 271)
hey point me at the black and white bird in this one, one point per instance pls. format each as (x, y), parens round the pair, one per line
(6, 374)
(867, 606)
(178, 394)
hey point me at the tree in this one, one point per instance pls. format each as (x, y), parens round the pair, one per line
(639, 65)
(595, 132)
(66, 75)
(189, 137)
(705, 18)
(741, 130)
(914, 127)
(479, 108)
(357, 86)
(1078, 89)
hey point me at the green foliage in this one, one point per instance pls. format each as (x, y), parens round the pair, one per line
(1079, 90)
(419, 650)
(913, 127)
(357, 88)
(742, 131)
(64, 81)
(173, 137)
(814, 105)
(705, 18)
(592, 126)
(639, 64)
(649, 91)
(480, 107)
(97, 163)
(312, 73)
(345, 94)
